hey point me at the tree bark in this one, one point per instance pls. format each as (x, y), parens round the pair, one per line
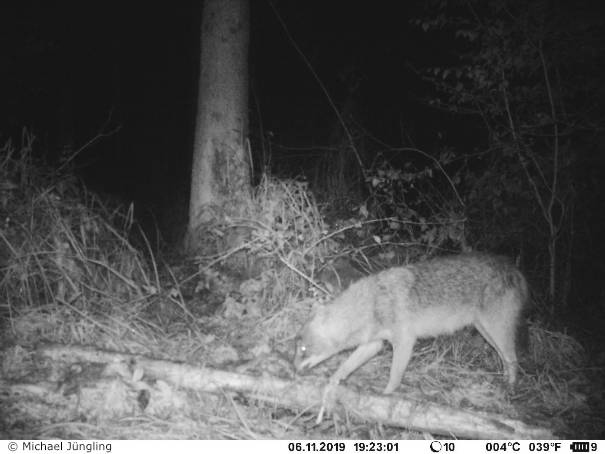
(220, 175)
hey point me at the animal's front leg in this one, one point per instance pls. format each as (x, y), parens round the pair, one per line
(361, 355)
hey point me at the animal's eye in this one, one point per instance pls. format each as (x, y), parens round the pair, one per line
(303, 348)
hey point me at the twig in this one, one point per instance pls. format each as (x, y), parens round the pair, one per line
(323, 89)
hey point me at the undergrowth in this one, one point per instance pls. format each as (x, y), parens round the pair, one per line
(70, 274)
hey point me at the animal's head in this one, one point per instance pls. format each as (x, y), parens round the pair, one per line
(318, 339)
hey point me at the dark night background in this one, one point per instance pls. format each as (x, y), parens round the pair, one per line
(134, 66)
(77, 69)
(117, 81)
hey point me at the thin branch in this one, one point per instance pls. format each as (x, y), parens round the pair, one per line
(553, 112)
(89, 143)
(436, 161)
(521, 157)
(323, 89)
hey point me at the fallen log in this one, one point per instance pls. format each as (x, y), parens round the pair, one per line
(392, 410)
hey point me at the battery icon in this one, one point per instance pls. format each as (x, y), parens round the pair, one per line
(579, 446)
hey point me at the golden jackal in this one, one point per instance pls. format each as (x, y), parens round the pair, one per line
(426, 299)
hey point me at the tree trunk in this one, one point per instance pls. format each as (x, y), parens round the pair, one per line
(220, 176)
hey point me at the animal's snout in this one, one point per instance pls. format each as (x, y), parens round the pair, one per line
(300, 363)
(302, 367)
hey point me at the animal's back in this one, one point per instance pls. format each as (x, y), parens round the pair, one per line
(475, 279)
(451, 292)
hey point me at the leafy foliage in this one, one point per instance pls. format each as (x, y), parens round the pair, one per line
(522, 68)
(420, 205)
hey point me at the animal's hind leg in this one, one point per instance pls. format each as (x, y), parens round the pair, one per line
(402, 351)
(499, 328)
